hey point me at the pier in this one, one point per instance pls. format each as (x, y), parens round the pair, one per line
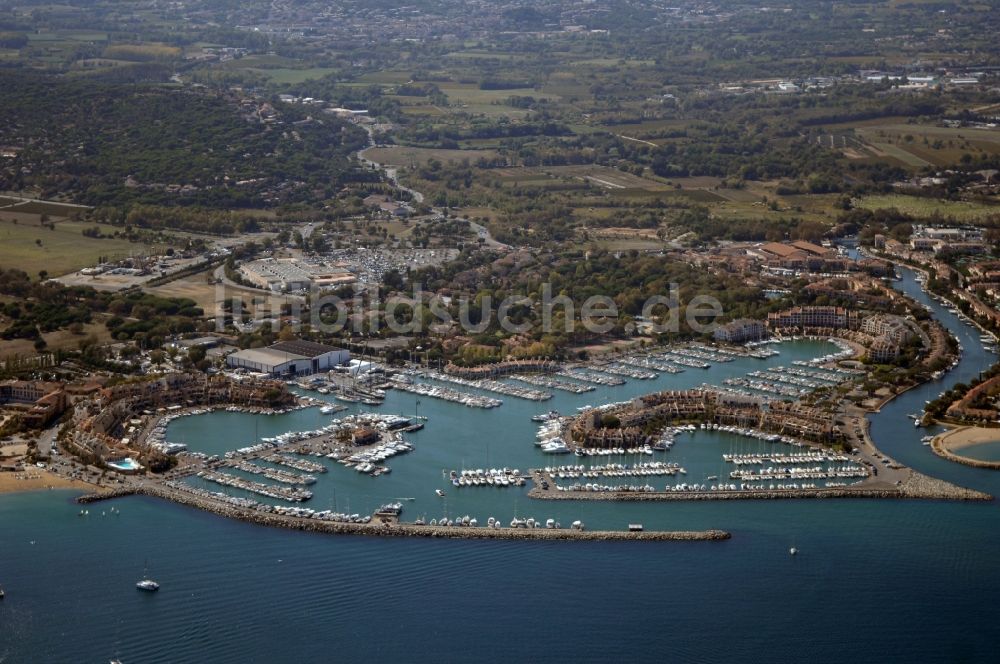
(273, 474)
(686, 361)
(447, 394)
(650, 363)
(289, 494)
(554, 383)
(490, 385)
(491, 477)
(295, 464)
(628, 372)
(593, 376)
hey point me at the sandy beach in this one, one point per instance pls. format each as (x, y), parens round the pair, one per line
(962, 437)
(947, 445)
(37, 479)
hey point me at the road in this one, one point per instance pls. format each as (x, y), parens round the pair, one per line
(856, 428)
(46, 440)
(220, 276)
(22, 200)
(392, 175)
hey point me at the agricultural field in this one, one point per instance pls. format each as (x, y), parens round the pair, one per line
(58, 340)
(142, 52)
(27, 245)
(601, 176)
(37, 207)
(387, 77)
(198, 288)
(606, 177)
(292, 76)
(612, 181)
(913, 146)
(621, 239)
(68, 35)
(402, 156)
(277, 69)
(925, 207)
(469, 98)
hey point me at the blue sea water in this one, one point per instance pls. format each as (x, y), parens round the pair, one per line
(874, 581)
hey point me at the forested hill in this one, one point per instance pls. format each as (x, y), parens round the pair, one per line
(107, 144)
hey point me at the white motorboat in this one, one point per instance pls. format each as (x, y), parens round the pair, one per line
(148, 585)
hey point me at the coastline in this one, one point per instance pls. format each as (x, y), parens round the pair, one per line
(39, 479)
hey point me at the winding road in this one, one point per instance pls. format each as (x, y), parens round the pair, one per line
(392, 174)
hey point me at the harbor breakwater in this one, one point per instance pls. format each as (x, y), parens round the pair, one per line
(916, 486)
(397, 529)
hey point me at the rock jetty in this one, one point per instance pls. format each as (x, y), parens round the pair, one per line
(396, 529)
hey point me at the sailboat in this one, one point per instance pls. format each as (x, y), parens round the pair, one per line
(147, 584)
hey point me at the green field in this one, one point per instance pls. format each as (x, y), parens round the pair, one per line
(405, 156)
(63, 250)
(51, 208)
(68, 35)
(925, 207)
(293, 76)
(469, 98)
(916, 146)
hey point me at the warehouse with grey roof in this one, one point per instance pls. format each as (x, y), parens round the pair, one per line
(289, 358)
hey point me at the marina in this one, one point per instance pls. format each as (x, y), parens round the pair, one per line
(369, 460)
(494, 477)
(447, 394)
(703, 353)
(644, 362)
(624, 370)
(592, 376)
(685, 361)
(768, 387)
(272, 474)
(301, 465)
(765, 528)
(554, 383)
(279, 460)
(289, 494)
(489, 386)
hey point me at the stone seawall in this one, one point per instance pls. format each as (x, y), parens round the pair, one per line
(403, 529)
(917, 486)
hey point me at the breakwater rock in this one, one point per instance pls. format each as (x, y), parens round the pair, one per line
(396, 529)
(916, 486)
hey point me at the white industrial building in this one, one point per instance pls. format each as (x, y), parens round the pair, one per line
(289, 358)
(289, 274)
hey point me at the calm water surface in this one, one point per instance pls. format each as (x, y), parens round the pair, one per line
(874, 580)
